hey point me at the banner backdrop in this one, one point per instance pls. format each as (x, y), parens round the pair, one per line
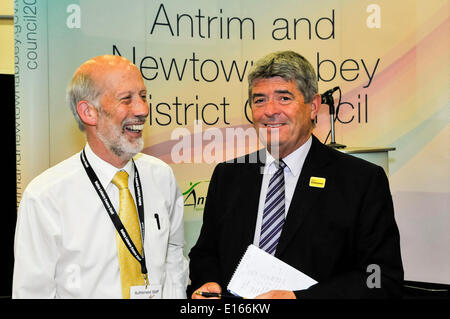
(389, 58)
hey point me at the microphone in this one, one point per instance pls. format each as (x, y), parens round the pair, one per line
(327, 98)
(327, 95)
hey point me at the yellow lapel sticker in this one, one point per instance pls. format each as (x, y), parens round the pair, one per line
(317, 182)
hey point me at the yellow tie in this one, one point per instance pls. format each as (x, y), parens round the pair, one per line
(130, 268)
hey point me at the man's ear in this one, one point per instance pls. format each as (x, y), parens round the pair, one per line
(315, 105)
(87, 112)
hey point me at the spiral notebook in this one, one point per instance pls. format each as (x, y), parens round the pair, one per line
(259, 272)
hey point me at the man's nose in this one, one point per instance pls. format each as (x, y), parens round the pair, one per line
(271, 108)
(140, 108)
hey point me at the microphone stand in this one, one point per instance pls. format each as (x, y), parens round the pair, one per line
(328, 99)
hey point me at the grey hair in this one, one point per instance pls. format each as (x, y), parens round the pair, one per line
(288, 65)
(82, 87)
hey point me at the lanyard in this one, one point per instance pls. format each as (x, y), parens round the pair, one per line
(113, 214)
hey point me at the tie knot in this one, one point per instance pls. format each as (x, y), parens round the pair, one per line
(280, 164)
(121, 179)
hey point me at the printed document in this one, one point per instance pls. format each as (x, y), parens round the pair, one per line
(259, 272)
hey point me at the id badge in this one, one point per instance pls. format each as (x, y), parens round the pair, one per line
(142, 292)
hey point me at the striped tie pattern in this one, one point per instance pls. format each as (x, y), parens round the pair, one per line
(273, 215)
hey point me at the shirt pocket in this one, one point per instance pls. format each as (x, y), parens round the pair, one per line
(157, 229)
(157, 226)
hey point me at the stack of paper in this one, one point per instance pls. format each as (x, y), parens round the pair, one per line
(259, 272)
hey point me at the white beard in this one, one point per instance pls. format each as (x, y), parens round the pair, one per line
(116, 141)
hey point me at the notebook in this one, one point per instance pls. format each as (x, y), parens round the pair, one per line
(259, 272)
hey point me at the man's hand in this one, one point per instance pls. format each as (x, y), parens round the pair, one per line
(208, 287)
(277, 294)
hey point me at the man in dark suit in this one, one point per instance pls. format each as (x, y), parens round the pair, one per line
(334, 218)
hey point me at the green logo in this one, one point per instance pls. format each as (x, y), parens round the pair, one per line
(192, 198)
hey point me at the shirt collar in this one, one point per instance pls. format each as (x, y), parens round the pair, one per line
(104, 170)
(293, 161)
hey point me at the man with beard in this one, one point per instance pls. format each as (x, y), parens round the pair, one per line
(108, 221)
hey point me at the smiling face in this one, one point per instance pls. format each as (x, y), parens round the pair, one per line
(114, 122)
(279, 110)
(122, 112)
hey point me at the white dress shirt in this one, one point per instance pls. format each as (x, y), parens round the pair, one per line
(294, 163)
(65, 241)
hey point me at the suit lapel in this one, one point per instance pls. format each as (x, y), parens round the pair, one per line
(305, 196)
(251, 187)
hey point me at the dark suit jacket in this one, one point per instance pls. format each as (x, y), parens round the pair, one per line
(332, 234)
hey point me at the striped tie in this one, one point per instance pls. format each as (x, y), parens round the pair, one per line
(273, 215)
